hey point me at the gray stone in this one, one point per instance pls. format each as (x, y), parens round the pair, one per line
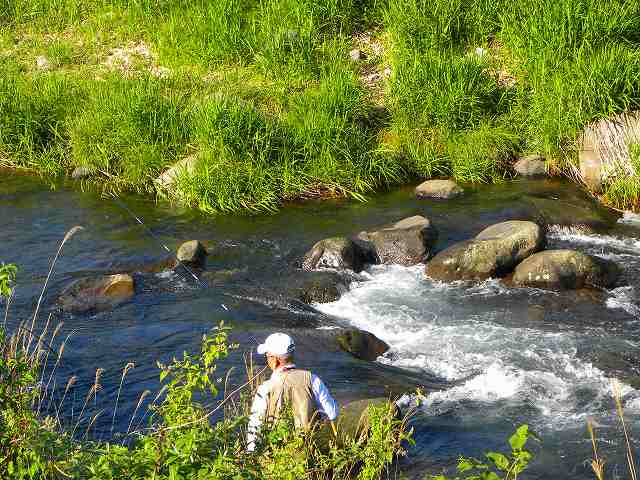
(565, 270)
(406, 242)
(361, 344)
(356, 54)
(603, 149)
(43, 63)
(531, 166)
(340, 253)
(441, 189)
(494, 252)
(353, 422)
(99, 293)
(583, 213)
(321, 287)
(81, 172)
(186, 166)
(192, 253)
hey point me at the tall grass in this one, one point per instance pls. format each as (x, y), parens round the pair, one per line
(471, 86)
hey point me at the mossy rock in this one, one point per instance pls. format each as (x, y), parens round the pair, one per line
(353, 421)
(361, 344)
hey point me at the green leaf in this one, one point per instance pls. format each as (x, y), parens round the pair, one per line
(499, 460)
(489, 476)
(519, 438)
(464, 465)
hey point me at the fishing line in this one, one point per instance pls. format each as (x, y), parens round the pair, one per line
(122, 205)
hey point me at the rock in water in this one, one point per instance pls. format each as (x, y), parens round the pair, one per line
(323, 287)
(406, 242)
(340, 253)
(81, 172)
(99, 293)
(186, 166)
(565, 270)
(494, 252)
(604, 149)
(442, 189)
(531, 166)
(583, 213)
(353, 422)
(361, 344)
(192, 253)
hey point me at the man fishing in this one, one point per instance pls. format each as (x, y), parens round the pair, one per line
(288, 386)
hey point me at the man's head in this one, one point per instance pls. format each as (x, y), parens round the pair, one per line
(278, 348)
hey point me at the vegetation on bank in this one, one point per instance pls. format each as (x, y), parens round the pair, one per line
(269, 98)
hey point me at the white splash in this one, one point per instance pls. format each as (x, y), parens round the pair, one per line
(450, 331)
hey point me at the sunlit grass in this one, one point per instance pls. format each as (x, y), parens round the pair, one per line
(462, 88)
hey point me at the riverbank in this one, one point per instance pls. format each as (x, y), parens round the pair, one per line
(273, 101)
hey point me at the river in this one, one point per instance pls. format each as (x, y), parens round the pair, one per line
(490, 357)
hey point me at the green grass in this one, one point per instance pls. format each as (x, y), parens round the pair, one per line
(265, 94)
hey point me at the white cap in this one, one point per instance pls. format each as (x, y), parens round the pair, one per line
(278, 344)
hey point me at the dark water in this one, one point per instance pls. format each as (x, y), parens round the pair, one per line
(491, 357)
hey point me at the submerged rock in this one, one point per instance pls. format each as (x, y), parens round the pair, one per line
(98, 293)
(493, 252)
(580, 212)
(361, 344)
(565, 270)
(442, 189)
(192, 253)
(340, 253)
(186, 166)
(531, 166)
(406, 242)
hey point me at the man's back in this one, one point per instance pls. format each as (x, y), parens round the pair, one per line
(292, 388)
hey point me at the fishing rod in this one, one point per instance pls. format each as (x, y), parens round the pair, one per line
(158, 241)
(122, 205)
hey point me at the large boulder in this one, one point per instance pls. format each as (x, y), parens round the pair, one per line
(441, 189)
(565, 270)
(186, 166)
(340, 253)
(354, 421)
(361, 344)
(530, 166)
(321, 287)
(98, 293)
(494, 252)
(193, 253)
(406, 242)
(604, 149)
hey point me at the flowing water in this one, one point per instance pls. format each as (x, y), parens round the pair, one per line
(489, 357)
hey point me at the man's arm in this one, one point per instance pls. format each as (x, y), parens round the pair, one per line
(324, 400)
(258, 410)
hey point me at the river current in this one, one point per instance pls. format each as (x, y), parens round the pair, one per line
(496, 356)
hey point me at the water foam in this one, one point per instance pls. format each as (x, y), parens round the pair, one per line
(450, 331)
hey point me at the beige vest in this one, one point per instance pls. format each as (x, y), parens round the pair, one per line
(292, 388)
